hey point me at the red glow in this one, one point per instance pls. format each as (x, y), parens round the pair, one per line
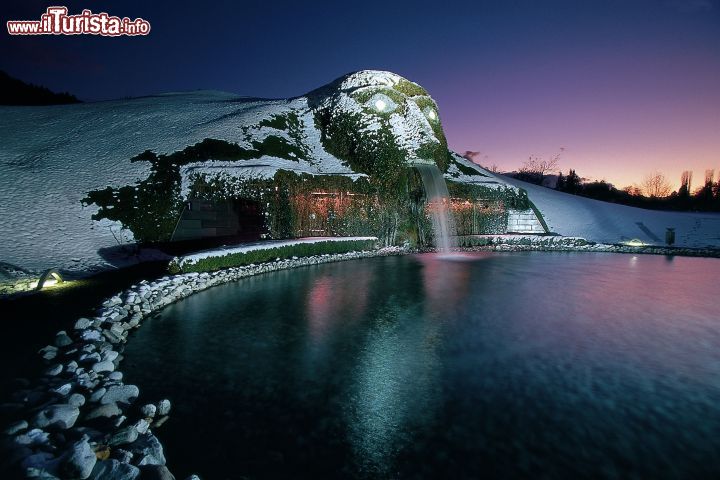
(331, 305)
(316, 210)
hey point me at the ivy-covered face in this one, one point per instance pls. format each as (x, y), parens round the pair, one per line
(372, 112)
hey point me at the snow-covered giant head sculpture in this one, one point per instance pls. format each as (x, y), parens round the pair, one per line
(374, 119)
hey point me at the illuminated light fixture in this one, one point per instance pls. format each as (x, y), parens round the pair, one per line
(635, 243)
(380, 105)
(49, 278)
(432, 115)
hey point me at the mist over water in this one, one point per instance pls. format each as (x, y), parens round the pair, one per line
(438, 201)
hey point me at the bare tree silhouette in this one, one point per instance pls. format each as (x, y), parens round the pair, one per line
(655, 185)
(535, 168)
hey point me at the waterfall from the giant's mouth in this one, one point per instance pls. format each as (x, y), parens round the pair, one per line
(438, 200)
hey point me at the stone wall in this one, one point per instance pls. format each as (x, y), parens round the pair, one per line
(524, 221)
(208, 219)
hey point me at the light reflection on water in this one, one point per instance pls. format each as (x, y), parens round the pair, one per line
(394, 379)
(500, 364)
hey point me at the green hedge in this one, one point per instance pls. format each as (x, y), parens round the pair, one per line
(552, 241)
(510, 197)
(267, 255)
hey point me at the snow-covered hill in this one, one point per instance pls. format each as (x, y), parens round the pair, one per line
(52, 157)
(605, 222)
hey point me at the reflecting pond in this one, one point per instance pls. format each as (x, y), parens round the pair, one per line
(493, 364)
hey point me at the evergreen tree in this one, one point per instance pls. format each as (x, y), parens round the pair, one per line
(704, 196)
(685, 183)
(572, 182)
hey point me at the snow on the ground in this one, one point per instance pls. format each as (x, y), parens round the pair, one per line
(605, 222)
(264, 167)
(484, 178)
(265, 245)
(51, 157)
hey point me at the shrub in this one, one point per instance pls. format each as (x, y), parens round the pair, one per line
(410, 89)
(151, 207)
(278, 122)
(469, 171)
(275, 146)
(267, 255)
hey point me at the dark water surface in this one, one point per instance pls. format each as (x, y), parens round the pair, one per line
(540, 365)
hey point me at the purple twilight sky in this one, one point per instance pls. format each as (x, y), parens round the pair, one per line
(625, 86)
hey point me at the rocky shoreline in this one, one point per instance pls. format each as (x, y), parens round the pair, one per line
(25, 282)
(80, 420)
(599, 248)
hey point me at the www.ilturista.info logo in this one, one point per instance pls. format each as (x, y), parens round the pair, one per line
(56, 21)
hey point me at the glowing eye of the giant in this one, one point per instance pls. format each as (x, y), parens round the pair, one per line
(381, 103)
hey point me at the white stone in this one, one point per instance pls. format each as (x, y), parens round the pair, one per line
(149, 410)
(54, 370)
(80, 461)
(64, 389)
(91, 335)
(142, 425)
(33, 438)
(104, 411)
(163, 407)
(149, 449)
(60, 416)
(104, 366)
(77, 400)
(49, 352)
(83, 323)
(120, 393)
(123, 437)
(114, 470)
